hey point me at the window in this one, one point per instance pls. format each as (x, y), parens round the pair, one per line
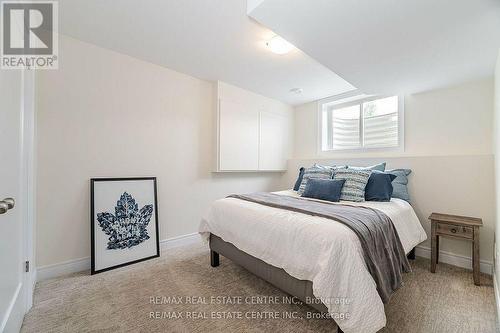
(361, 123)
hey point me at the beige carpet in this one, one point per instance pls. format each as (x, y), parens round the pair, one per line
(120, 300)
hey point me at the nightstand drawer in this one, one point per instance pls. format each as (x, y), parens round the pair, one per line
(455, 230)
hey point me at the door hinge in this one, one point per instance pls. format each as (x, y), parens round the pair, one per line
(27, 266)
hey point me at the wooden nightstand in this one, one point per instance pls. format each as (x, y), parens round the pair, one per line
(457, 227)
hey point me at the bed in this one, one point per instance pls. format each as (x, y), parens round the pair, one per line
(308, 256)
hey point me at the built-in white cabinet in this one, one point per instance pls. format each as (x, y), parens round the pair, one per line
(238, 136)
(273, 140)
(253, 132)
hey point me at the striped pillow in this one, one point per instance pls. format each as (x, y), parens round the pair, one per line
(314, 172)
(355, 183)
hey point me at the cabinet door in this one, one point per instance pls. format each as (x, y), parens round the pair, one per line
(238, 137)
(274, 138)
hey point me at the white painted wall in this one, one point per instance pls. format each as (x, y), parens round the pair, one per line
(451, 121)
(448, 144)
(496, 152)
(107, 114)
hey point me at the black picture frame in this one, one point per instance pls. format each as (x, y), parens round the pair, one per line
(92, 222)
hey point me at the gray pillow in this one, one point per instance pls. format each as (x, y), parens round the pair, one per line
(314, 172)
(378, 167)
(331, 167)
(400, 183)
(355, 183)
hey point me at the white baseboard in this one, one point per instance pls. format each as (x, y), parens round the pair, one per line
(62, 268)
(455, 259)
(83, 264)
(183, 240)
(497, 294)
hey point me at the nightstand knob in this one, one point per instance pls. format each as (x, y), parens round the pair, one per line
(453, 230)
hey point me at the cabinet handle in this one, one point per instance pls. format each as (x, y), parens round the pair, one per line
(453, 230)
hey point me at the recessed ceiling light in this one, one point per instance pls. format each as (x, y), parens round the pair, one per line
(296, 91)
(279, 46)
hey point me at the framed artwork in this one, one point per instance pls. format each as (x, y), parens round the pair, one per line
(124, 222)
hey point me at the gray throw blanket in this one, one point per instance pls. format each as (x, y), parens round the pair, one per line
(383, 253)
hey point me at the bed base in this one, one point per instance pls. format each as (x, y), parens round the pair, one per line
(276, 276)
(300, 289)
(214, 257)
(411, 255)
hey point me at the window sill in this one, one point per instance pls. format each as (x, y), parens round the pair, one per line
(338, 152)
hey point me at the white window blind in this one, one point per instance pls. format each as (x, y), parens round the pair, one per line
(367, 123)
(346, 127)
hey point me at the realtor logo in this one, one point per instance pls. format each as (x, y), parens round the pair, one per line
(29, 35)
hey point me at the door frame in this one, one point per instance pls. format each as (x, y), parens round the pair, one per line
(28, 183)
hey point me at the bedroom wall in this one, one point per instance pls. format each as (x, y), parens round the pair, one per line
(448, 144)
(452, 121)
(496, 151)
(107, 114)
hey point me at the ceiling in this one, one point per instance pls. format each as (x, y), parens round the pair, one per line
(391, 46)
(208, 39)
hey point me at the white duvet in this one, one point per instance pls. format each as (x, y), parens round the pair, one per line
(321, 250)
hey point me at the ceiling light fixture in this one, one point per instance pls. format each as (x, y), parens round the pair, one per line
(296, 91)
(278, 45)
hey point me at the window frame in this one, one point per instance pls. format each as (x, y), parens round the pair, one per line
(353, 100)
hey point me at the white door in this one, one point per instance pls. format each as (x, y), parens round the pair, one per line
(12, 242)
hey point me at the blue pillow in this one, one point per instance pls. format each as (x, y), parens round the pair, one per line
(299, 179)
(324, 189)
(379, 187)
(314, 172)
(378, 167)
(400, 184)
